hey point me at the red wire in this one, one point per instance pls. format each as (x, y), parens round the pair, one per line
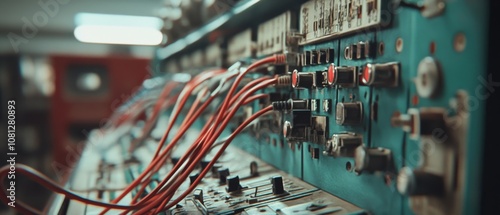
(212, 162)
(168, 194)
(175, 168)
(189, 115)
(51, 185)
(170, 146)
(155, 164)
(199, 149)
(160, 104)
(202, 77)
(190, 87)
(271, 59)
(182, 159)
(275, 59)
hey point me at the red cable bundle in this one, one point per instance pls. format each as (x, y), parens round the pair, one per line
(159, 198)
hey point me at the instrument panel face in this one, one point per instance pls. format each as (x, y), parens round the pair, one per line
(434, 80)
(393, 96)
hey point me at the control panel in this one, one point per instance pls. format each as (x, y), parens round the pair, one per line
(330, 107)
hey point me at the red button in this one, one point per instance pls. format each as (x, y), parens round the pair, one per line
(331, 74)
(366, 74)
(295, 78)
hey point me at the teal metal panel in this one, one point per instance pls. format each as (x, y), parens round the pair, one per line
(421, 37)
(461, 71)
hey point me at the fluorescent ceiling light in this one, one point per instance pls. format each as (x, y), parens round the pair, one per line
(118, 35)
(118, 29)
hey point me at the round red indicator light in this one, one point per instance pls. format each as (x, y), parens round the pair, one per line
(295, 78)
(367, 72)
(331, 74)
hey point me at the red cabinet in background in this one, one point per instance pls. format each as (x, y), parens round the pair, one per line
(87, 91)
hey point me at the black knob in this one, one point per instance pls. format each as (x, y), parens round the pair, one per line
(346, 76)
(223, 173)
(302, 79)
(204, 164)
(349, 113)
(215, 170)
(381, 75)
(233, 183)
(301, 118)
(193, 177)
(277, 185)
(372, 159)
(417, 182)
(198, 194)
(174, 160)
(254, 169)
(432, 120)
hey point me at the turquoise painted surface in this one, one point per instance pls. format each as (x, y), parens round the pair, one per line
(368, 191)
(461, 70)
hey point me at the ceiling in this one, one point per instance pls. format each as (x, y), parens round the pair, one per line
(54, 24)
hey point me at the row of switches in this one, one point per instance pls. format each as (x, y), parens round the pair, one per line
(377, 75)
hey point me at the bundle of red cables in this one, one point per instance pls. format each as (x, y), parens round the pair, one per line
(161, 197)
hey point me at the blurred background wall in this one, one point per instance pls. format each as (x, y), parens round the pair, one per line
(64, 87)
